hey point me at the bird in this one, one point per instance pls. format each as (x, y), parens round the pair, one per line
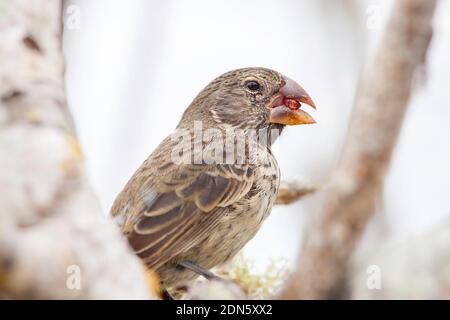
(204, 192)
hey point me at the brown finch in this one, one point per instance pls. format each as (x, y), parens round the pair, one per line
(200, 197)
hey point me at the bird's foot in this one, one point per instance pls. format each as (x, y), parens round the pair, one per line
(165, 295)
(198, 270)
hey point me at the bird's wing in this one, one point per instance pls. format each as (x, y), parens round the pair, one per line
(185, 204)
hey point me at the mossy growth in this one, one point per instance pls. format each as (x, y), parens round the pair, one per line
(256, 284)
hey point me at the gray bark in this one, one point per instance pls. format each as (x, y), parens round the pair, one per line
(52, 230)
(378, 113)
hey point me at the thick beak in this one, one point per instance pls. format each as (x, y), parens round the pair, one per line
(284, 107)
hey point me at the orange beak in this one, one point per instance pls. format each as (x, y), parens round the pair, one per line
(284, 107)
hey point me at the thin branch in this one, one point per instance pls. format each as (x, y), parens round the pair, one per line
(379, 110)
(293, 190)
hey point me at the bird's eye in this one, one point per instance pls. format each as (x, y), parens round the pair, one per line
(252, 85)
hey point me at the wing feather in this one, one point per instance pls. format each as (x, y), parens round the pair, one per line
(182, 213)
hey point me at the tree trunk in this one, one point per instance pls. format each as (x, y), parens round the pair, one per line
(349, 200)
(54, 240)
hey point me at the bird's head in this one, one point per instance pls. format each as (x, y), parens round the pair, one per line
(250, 98)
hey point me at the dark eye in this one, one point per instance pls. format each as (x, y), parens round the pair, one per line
(252, 85)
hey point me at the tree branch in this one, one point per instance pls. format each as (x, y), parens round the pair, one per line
(54, 240)
(358, 179)
(291, 191)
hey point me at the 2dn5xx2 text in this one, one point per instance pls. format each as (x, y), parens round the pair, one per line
(245, 309)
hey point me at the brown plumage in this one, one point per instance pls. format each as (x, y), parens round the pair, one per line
(199, 205)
